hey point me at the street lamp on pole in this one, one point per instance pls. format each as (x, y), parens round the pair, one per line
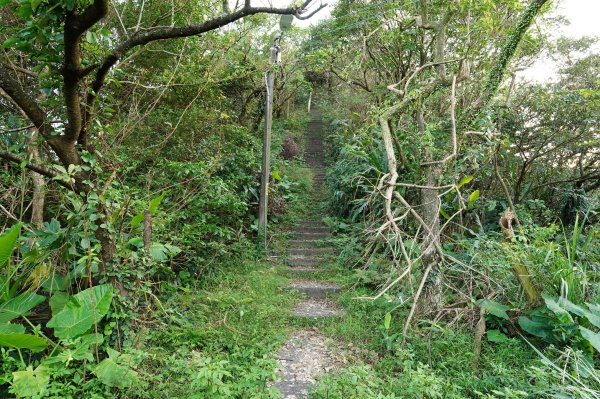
(274, 58)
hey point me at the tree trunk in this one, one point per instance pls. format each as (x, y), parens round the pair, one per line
(431, 297)
(39, 184)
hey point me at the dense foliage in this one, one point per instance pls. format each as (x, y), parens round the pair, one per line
(464, 200)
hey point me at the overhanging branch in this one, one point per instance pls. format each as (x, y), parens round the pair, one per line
(36, 168)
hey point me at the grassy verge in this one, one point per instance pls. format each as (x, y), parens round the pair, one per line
(218, 340)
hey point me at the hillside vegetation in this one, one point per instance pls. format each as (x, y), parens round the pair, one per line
(440, 210)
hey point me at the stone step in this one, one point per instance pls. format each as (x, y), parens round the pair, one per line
(304, 261)
(318, 230)
(317, 308)
(311, 223)
(322, 228)
(312, 258)
(304, 269)
(314, 289)
(294, 389)
(297, 244)
(302, 360)
(310, 251)
(309, 235)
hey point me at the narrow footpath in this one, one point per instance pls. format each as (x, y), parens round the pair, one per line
(307, 355)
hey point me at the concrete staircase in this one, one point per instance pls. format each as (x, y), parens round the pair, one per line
(305, 356)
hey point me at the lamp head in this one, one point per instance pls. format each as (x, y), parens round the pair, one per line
(286, 22)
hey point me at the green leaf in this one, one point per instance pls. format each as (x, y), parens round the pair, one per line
(30, 383)
(387, 321)
(580, 311)
(444, 213)
(10, 42)
(24, 11)
(473, 197)
(115, 375)
(561, 314)
(90, 37)
(595, 312)
(19, 306)
(23, 341)
(465, 180)
(276, 175)
(9, 328)
(594, 307)
(495, 308)
(136, 242)
(8, 240)
(497, 336)
(78, 315)
(592, 337)
(137, 219)
(58, 301)
(155, 202)
(35, 4)
(536, 328)
(162, 252)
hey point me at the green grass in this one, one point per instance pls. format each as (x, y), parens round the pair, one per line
(219, 340)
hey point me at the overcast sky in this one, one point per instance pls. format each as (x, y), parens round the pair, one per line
(583, 17)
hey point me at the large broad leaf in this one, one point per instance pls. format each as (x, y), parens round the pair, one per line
(19, 306)
(137, 219)
(9, 328)
(8, 240)
(82, 311)
(81, 348)
(594, 307)
(162, 252)
(58, 301)
(474, 196)
(561, 314)
(152, 207)
(155, 202)
(114, 371)
(580, 311)
(497, 336)
(592, 337)
(495, 308)
(30, 383)
(23, 341)
(465, 180)
(115, 375)
(538, 328)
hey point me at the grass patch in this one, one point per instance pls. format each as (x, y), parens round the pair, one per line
(220, 339)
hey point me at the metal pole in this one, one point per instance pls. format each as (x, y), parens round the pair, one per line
(266, 155)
